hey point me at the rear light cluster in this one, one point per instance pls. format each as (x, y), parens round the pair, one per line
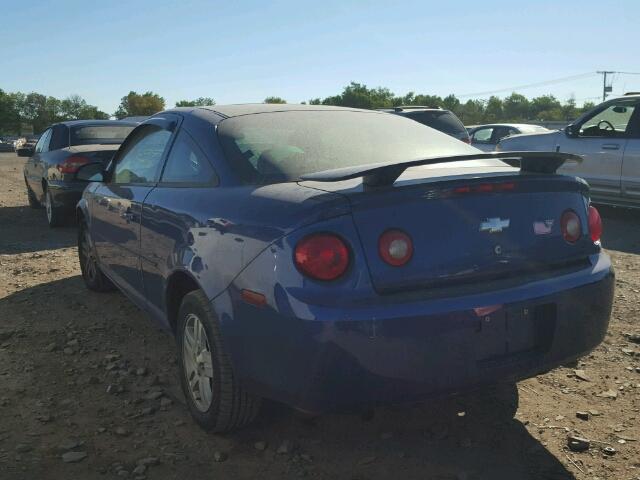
(72, 164)
(571, 226)
(595, 224)
(323, 256)
(395, 247)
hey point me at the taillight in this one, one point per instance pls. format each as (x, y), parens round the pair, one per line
(72, 164)
(595, 224)
(570, 226)
(322, 256)
(466, 140)
(395, 247)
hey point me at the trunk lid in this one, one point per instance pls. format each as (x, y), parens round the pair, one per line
(469, 224)
(96, 153)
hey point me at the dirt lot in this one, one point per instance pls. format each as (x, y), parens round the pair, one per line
(88, 373)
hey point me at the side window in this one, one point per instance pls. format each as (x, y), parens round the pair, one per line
(483, 135)
(613, 121)
(141, 159)
(499, 133)
(186, 163)
(43, 142)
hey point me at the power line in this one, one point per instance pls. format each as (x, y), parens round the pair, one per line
(530, 85)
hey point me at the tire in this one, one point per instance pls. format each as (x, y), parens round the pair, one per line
(93, 277)
(55, 215)
(31, 197)
(215, 399)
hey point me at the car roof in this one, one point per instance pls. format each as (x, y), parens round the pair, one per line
(235, 110)
(75, 123)
(417, 108)
(514, 125)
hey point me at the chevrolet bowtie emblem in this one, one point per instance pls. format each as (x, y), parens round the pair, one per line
(494, 225)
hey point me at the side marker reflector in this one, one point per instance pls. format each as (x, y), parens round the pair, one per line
(253, 298)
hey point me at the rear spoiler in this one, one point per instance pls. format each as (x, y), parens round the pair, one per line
(381, 174)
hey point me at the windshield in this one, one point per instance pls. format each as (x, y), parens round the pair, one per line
(98, 134)
(283, 146)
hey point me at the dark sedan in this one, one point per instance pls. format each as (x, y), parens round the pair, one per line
(329, 257)
(55, 158)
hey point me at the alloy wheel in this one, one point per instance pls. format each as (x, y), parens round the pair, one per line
(196, 360)
(47, 205)
(87, 259)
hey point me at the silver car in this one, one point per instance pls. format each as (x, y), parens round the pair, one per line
(486, 137)
(608, 139)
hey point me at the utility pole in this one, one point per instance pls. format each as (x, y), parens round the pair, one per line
(605, 89)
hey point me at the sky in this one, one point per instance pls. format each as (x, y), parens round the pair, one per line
(243, 51)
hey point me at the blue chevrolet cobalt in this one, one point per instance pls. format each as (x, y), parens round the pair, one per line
(333, 258)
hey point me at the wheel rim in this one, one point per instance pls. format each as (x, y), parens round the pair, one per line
(87, 260)
(196, 360)
(47, 205)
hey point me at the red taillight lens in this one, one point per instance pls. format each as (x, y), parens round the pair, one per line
(322, 256)
(395, 247)
(570, 226)
(466, 140)
(595, 224)
(72, 164)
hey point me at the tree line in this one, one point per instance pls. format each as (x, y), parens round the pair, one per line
(20, 112)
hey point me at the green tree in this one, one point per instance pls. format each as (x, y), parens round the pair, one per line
(515, 107)
(9, 113)
(134, 104)
(274, 100)
(493, 110)
(198, 102)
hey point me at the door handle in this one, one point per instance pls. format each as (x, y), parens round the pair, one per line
(610, 146)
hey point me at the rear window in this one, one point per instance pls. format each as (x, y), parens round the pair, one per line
(282, 146)
(98, 134)
(446, 122)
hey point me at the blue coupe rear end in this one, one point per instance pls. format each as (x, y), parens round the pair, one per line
(346, 258)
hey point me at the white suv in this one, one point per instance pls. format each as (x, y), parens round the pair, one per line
(608, 138)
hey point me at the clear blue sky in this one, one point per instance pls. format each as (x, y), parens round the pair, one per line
(244, 51)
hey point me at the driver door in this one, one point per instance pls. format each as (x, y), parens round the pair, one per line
(601, 138)
(116, 205)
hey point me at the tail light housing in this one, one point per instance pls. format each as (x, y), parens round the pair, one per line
(72, 164)
(570, 226)
(595, 224)
(466, 140)
(322, 256)
(395, 247)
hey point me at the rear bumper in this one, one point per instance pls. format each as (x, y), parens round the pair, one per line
(66, 195)
(386, 353)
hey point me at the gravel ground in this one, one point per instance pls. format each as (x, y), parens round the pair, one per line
(89, 389)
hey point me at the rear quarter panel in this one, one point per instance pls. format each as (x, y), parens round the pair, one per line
(213, 233)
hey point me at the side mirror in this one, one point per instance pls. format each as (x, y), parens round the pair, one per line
(571, 131)
(90, 172)
(25, 152)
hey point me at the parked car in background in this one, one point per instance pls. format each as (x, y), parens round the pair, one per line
(330, 258)
(30, 141)
(608, 139)
(434, 117)
(55, 158)
(486, 137)
(7, 144)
